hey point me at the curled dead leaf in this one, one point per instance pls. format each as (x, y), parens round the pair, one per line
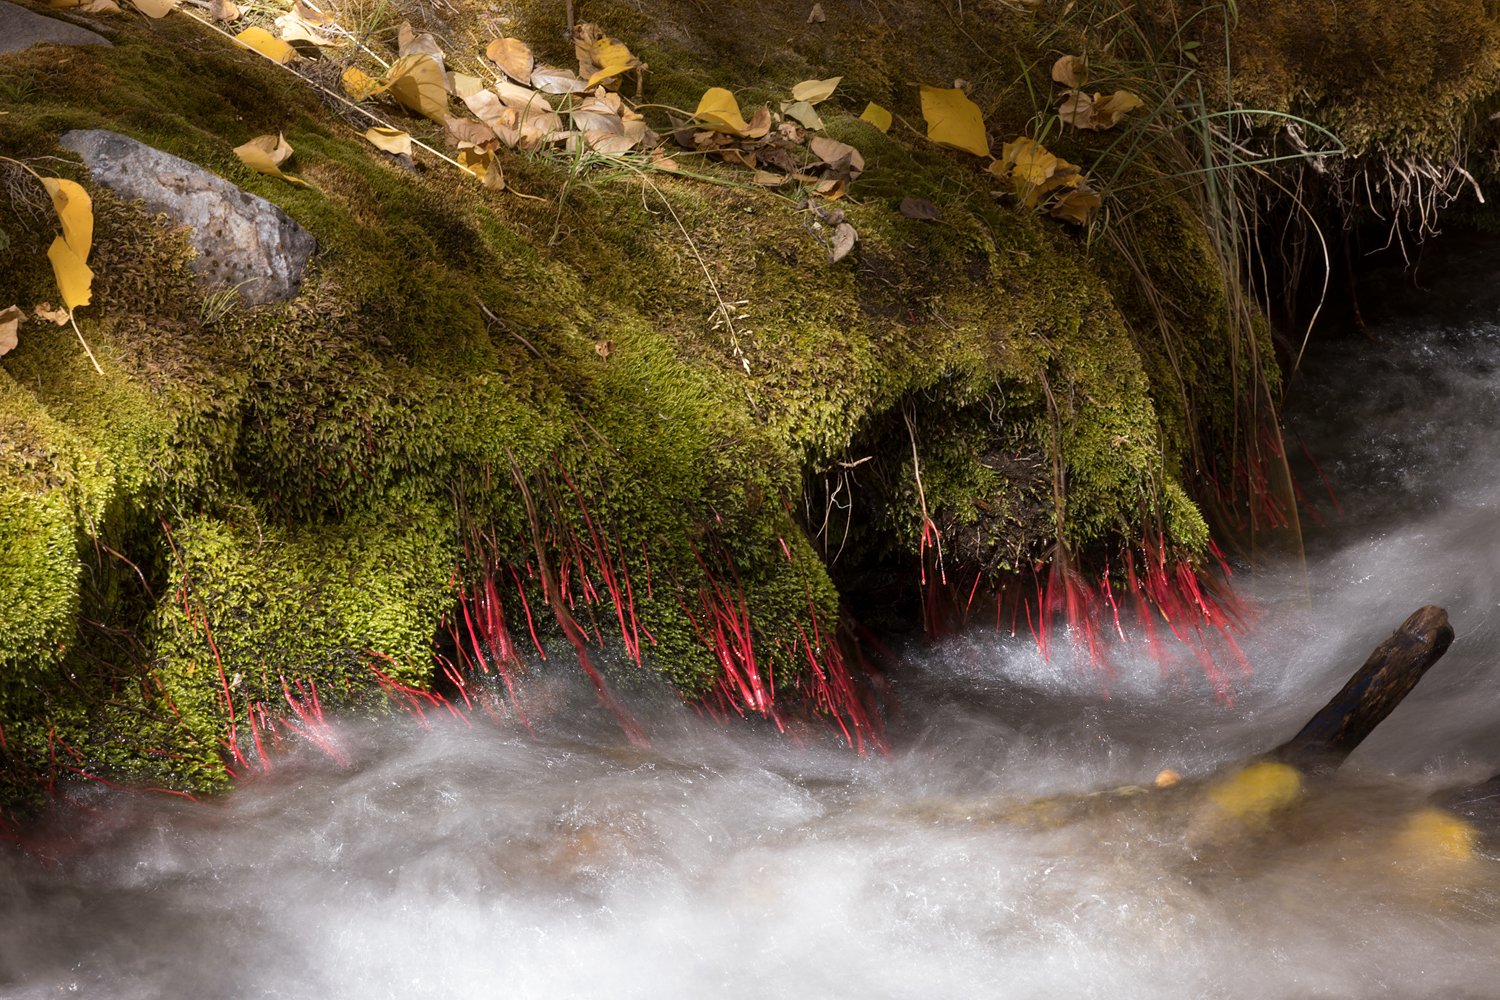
(418, 83)
(844, 238)
(468, 132)
(45, 310)
(1076, 205)
(1096, 112)
(604, 348)
(265, 154)
(483, 165)
(1070, 71)
(843, 160)
(10, 323)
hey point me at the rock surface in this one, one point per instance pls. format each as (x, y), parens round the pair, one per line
(243, 241)
(21, 29)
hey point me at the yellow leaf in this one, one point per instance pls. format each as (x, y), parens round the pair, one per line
(1069, 71)
(1117, 105)
(417, 83)
(613, 59)
(954, 121)
(720, 112)
(1258, 790)
(803, 113)
(813, 91)
(392, 140)
(266, 154)
(74, 279)
(75, 210)
(877, 116)
(10, 322)
(514, 58)
(360, 85)
(483, 165)
(154, 8)
(1430, 834)
(1076, 206)
(267, 44)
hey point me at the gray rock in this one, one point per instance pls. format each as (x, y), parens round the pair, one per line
(21, 29)
(243, 241)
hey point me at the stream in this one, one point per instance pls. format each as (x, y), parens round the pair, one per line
(450, 860)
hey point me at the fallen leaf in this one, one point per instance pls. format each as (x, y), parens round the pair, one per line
(1116, 106)
(814, 91)
(224, 10)
(816, 16)
(919, 208)
(410, 43)
(803, 113)
(1097, 112)
(74, 279)
(44, 310)
(843, 159)
(603, 348)
(468, 132)
(266, 154)
(954, 121)
(1076, 206)
(360, 85)
(514, 58)
(295, 27)
(613, 59)
(1069, 71)
(556, 81)
(720, 112)
(666, 163)
(417, 83)
(1077, 110)
(483, 165)
(75, 210)
(154, 8)
(516, 96)
(844, 238)
(10, 322)
(833, 188)
(267, 44)
(877, 116)
(311, 14)
(392, 140)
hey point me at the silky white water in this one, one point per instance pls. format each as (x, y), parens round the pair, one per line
(454, 861)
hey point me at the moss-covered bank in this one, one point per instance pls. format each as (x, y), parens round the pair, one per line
(247, 502)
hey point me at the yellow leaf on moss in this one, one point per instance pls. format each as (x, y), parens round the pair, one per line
(266, 154)
(718, 111)
(75, 210)
(877, 116)
(154, 8)
(813, 91)
(360, 85)
(392, 140)
(267, 44)
(954, 121)
(613, 59)
(74, 279)
(514, 58)
(417, 83)
(483, 165)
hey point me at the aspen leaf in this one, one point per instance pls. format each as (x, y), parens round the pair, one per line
(718, 111)
(412, 44)
(877, 116)
(392, 140)
(262, 41)
(416, 82)
(224, 10)
(954, 121)
(524, 98)
(265, 154)
(75, 210)
(10, 322)
(44, 310)
(302, 24)
(360, 85)
(468, 132)
(514, 58)
(483, 165)
(556, 81)
(1069, 71)
(74, 279)
(843, 159)
(1076, 206)
(1117, 105)
(803, 113)
(154, 8)
(814, 91)
(613, 59)
(844, 238)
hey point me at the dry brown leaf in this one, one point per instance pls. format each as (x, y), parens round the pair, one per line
(1096, 112)
(1077, 205)
(392, 140)
(843, 160)
(1070, 71)
(666, 163)
(224, 10)
(44, 310)
(10, 323)
(604, 348)
(919, 208)
(418, 84)
(468, 132)
(844, 238)
(556, 81)
(514, 58)
(816, 15)
(766, 178)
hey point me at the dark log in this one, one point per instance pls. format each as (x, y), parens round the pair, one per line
(1388, 676)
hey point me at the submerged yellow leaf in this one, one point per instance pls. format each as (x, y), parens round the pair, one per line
(417, 83)
(1434, 835)
(954, 121)
(266, 154)
(877, 116)
(75, 210)
(359, 85)
(267, 44)
(1258, 790)
(613, 59)
(813, 91)
(514, 58)
(74, 279)
(392, 140)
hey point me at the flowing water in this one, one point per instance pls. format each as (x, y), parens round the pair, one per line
(452, 861)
